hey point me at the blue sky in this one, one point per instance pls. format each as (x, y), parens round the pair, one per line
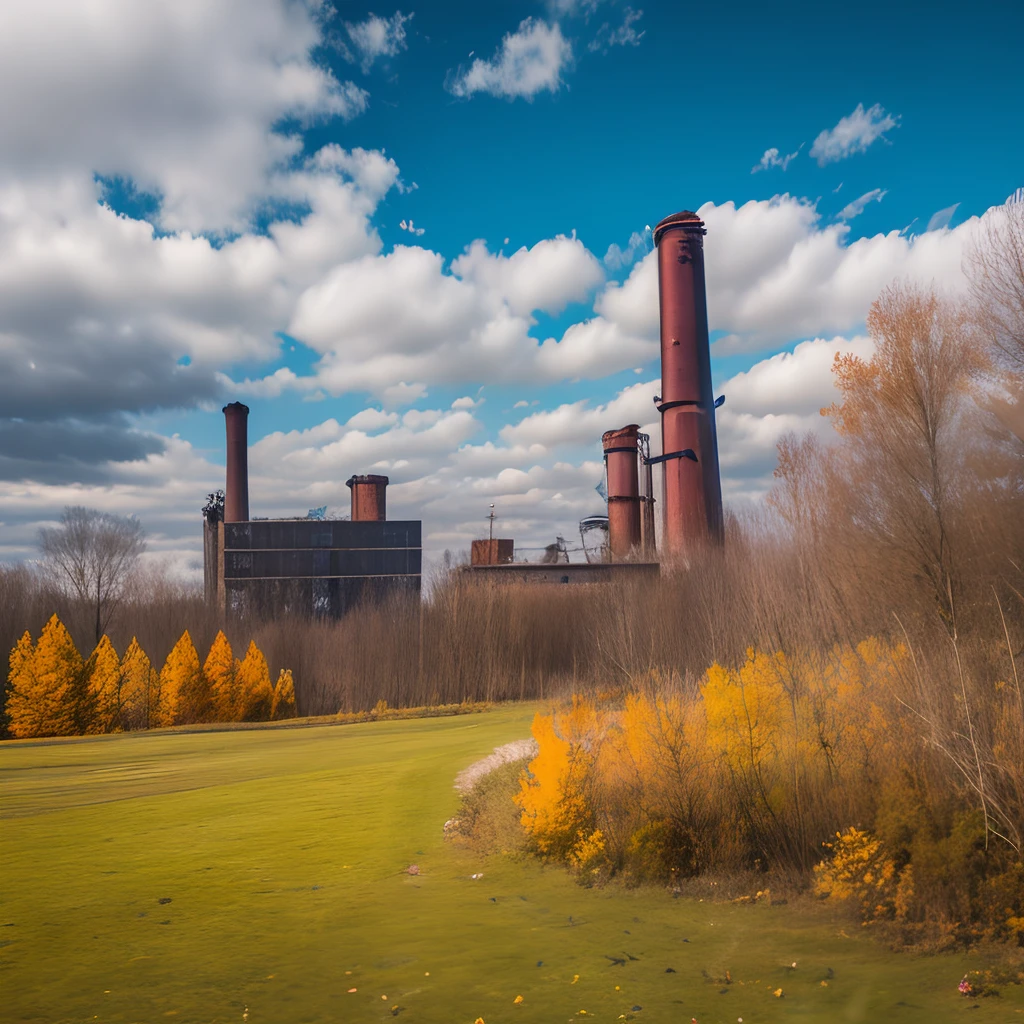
(276, 201)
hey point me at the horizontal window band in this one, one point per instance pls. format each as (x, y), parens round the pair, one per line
(249, 551)
(377, 576)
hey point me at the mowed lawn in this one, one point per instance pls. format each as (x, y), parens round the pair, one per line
(257, 876)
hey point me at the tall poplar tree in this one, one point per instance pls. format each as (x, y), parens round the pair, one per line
(140, 689)
(47, 694)
(184, 693)
(103, 681)
(219, 670)
(255, 691)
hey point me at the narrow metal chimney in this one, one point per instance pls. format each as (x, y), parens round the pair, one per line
(693, 488)
(236, 487)
(620, 456)
(369, 498)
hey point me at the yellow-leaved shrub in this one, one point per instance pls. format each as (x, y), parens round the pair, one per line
(555, 811)
(754, 766)
(283, 705)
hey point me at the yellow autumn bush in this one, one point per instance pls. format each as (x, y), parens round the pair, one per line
(752, 767)
(860, 870)
(555, 810)
(805, 760)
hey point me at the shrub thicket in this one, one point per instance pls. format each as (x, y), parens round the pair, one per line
(785, 759)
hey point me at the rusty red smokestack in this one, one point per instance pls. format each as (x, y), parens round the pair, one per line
(369, 498)
(693, 488)
(236, 486)
(620, 456)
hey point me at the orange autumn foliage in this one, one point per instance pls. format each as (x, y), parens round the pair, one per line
(255, 693)
(47, 693)
(140, 689)
(552, 797)
(754, 764)
(51, 692)
(103, 679)
(219, 670)
(184, 693)
(283, 705)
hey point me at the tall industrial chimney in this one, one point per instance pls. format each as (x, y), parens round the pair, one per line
(236, 487)
(369, 498)
(620, 456)
(693, 488)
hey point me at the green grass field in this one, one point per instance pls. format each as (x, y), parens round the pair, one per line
(191, 877)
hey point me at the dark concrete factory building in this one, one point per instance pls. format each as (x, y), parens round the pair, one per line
(309, 567)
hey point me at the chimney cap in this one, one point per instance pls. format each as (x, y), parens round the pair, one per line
(627, 433)
(236, 407)
(686, 219)
(366, 478)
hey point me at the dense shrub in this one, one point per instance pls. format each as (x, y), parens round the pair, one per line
(787, 764)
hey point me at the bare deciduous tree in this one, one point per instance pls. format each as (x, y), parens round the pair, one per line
(92, 553)
(900, 417)
(995, 268)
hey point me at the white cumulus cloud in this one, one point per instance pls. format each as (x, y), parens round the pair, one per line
(529, 60)
(181, 99)
(378, 37)
(776, 274)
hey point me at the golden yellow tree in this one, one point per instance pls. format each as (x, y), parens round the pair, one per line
(140, 689)
(283, 705)
(46, 693)
(20, 681)
(219, 670)
(184, 694)
(255, 692)
(103, 682)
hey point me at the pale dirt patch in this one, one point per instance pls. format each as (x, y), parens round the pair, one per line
(517, 750)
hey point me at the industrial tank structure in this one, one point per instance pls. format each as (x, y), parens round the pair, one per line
(621, 452)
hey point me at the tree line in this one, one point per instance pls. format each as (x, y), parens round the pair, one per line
(53, 691)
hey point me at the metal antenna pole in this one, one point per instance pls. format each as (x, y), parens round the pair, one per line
(490, 531)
